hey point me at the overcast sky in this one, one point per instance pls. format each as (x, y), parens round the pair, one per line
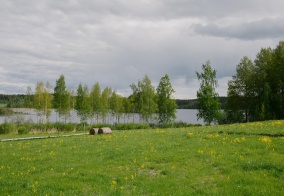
(117, 42)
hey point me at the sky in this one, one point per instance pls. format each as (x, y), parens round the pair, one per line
(117, 42)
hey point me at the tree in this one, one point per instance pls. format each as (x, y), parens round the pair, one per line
(144, 98)
(29, 98)
(277, 80)
(127, 108)
(72, 99)
(43, 100)
(263, 79)
(116, 106)
(166, 105)
(95, 98)
(61, 98)
(83, 105)
(257, 88)
(241, 89)
(105, 103)
(208, 102)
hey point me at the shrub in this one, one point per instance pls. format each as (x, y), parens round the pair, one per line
(129, 126)
(66, 127)
(7, 128)
(23, 130)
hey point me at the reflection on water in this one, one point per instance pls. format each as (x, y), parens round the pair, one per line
(184, 115)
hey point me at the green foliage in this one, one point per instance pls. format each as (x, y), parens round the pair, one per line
(166, 105)
(257, 89)
(6, 112)
(131, 126)
(23, 130)
(6, 128)
(105, 103)
(61, 97)
(144, 99)
(83, 105)
(43, 100)
(96, 100)
(208, 102)
(28, 99)
(179, 124)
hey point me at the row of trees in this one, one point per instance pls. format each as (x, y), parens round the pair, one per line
(99, 105)
(255, 93)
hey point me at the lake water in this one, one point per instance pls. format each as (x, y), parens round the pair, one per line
(184, 115)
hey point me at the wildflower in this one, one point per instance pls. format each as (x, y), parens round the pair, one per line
(190, 134)
(265, 140)
(113, 184)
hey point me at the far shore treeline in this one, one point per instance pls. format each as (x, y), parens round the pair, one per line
(18, 101)
(255, 93)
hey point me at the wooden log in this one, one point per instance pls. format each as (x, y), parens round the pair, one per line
(104, 130)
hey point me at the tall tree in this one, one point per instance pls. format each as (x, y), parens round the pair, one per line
(72, 99)
(29, 98)
(241, 89)
(83, 105)
(61, 98)
(166, 105)
(208, 102)
(95, 98)
(105, 103)
(144, 98)
(43, 100)
(277, 82)
(263, 79)
(116, 106)
(127, 108)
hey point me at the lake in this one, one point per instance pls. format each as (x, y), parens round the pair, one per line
(184, 115)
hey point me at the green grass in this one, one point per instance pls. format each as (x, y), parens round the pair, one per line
(237, 159)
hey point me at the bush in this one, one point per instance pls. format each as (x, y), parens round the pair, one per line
(179, 124)
(6, 128)
(6, 112)
(23, 130)
(129, 126)
(66, 127)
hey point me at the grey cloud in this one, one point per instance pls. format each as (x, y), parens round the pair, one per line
(260, 29)
(116, 43)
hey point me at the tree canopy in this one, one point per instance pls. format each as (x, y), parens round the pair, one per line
(208, 102)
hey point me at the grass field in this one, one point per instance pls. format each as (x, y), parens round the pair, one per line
(241, 159)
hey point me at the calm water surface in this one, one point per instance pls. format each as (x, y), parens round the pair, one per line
(184, 115)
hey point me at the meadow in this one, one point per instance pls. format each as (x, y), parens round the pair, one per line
(239, 159)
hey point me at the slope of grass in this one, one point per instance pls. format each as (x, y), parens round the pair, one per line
(185, 161)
